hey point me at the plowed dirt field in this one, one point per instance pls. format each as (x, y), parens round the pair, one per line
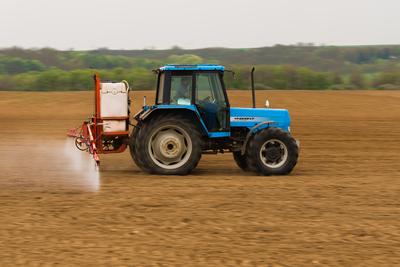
(339, 207)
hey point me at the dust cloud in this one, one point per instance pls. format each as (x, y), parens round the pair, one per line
(81, 165)
(52, 164)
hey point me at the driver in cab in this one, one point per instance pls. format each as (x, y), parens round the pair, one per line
(182, 95)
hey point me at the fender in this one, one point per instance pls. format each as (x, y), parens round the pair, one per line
(147, 110)
(255, 129)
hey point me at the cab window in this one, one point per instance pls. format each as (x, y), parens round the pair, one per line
(211, 102)
(181, 90)
(209, 89)
(160, 92)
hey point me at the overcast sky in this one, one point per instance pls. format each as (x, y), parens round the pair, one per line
(131, 24)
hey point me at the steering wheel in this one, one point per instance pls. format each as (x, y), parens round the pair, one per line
(209, 100)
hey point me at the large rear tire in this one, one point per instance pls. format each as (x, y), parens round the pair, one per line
(133, 151)
(169, 145)
(272, 151)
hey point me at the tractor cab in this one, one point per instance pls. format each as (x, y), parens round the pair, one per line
(197, 87)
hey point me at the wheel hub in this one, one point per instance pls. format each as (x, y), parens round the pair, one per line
(169, 147)
(273, 153)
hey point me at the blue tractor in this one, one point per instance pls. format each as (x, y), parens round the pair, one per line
(192, 116)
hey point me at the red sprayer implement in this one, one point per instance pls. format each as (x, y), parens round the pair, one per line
(108, 129)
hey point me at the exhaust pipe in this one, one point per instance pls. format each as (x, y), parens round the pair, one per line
(253, 93)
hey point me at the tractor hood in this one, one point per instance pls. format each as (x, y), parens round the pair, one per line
(249, 117)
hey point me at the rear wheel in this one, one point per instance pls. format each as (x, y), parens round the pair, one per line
(272, 151)
(240, 160)
(169, 144)
(133, 151)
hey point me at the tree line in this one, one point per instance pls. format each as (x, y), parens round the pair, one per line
(278, 67)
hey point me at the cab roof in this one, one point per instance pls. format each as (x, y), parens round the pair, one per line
(178, 67)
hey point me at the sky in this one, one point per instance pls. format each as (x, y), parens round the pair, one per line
(161, 24)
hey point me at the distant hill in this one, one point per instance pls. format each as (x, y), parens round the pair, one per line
(323, 58)
(348, 67)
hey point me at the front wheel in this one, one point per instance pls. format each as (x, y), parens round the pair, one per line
(272, 151)
(240, 160)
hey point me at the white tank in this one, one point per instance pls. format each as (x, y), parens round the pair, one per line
(114, 100)
(114, 106)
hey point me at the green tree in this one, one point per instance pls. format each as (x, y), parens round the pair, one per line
(357, 79)
(185, 59)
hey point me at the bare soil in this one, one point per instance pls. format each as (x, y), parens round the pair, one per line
(339, 207)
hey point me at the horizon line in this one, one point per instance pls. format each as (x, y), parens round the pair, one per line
(177, 47)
